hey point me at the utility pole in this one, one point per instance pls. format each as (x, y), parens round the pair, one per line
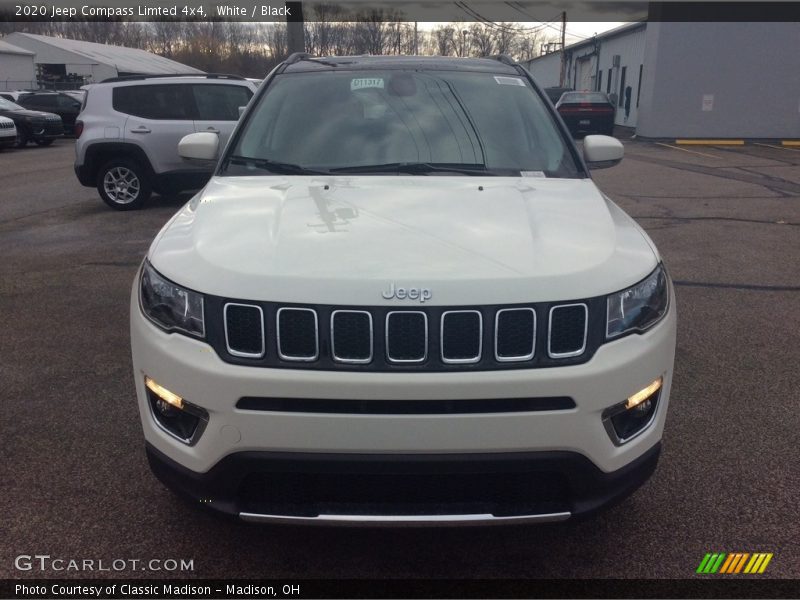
(416, 51)
(295, 30)
(563, 54)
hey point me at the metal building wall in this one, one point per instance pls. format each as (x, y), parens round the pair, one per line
(73, 63)
(630, 47)
(16, 71)
(546, 70)
(721, 80)
(582, 64)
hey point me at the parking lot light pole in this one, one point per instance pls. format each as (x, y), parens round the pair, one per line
(294, 25)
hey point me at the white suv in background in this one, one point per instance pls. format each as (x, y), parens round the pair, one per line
(8, 133)
(129, 128)
(401, 298)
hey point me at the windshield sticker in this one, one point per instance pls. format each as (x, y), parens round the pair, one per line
(509, 80)
(367, 82)
(532, 174)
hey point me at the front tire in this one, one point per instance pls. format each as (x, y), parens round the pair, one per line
(123, 184)
(22, 138)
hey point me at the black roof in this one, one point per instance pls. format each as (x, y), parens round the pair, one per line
(364, 63)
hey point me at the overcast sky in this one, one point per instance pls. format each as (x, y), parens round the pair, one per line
(575, 31)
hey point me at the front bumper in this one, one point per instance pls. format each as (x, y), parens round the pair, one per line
(48, 131)
(570, 448)
(414, 489)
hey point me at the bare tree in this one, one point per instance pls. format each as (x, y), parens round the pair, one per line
(483, 39)
(165, 37)
(443, 40)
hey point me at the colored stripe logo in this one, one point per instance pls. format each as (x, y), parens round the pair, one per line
(733, 563)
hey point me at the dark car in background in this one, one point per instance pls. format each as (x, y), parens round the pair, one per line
(59, 103)
(554, 93)
(32, 125)
(587, 112)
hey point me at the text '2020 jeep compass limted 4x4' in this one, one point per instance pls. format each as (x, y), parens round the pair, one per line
(402, 299)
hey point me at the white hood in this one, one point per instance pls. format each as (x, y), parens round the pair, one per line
(344, 240)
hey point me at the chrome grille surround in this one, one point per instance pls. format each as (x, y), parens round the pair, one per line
(298, 358)
(460, 361)
(230, 349)
(582, 349)
(523, 357)
(388, 344)
(354, 361)
(339, 337)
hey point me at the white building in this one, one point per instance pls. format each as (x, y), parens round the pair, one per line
(16, 67)
(57, 58)
(690, 80)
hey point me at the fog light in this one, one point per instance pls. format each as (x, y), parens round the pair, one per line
(163, 393)
(642, 396)
(629, 418)
(174, 415)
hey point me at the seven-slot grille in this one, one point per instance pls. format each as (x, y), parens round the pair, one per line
(6, 124)
(433, 338)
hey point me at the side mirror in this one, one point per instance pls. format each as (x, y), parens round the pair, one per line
(602, 151)
(199, 146)
(241, 111)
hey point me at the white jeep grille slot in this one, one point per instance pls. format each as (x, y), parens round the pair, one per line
(567, 330)
(298, 334)
(244, 330)
(514, 334)
(406, 336)
(351, 336)
(461, 336)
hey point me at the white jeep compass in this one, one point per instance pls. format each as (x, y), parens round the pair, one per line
(401, 298)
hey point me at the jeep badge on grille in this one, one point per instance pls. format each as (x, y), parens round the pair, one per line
(413, 293)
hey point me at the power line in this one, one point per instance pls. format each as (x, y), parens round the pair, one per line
(516, 6)
(478, 17)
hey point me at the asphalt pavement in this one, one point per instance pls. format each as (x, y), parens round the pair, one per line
(76, 484)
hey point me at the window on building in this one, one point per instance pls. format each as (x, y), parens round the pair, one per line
(608, 83)
(621, 98)
(639, 86)
(599, 81)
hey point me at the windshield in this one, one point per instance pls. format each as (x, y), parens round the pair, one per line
(8, 105)
(578, 97)
(417, 122)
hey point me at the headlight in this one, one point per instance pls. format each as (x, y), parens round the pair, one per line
(640, 306)
(170, 306)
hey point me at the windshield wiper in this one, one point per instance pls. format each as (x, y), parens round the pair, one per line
(274, 166)
(419, 168)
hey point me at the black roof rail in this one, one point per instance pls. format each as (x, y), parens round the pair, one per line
(297, 57)
(503, 58)
(162, 75)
